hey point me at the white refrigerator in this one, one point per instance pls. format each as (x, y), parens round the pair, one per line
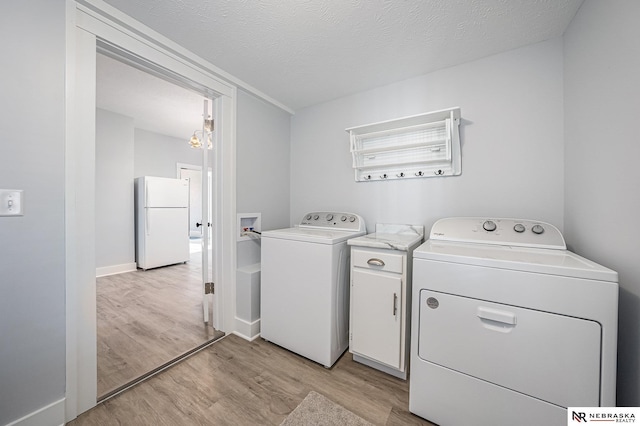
(162, 221)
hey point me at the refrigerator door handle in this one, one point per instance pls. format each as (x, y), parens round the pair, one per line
(146, 222)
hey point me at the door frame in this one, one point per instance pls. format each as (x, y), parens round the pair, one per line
(91, 25)
(187, 166)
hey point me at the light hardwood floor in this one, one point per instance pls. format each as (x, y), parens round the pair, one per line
(147, 318)
(235, 382)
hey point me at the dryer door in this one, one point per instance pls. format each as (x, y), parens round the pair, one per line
(552, 357)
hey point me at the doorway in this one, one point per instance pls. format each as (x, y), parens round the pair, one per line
(146, 319)
(193, 173)
(87, 30)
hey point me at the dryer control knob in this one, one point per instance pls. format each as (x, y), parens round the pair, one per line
(489, 226)
(537, 229)
(316, 217)
(343, 218)
(519, 228)
(308, 217)
(329, 217)
(352, 219)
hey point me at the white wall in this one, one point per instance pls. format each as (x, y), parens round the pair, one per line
(157, 155)
(512, 144)
(602, 194)
(263, 135)
(122, 154)
(32, 275)
(115, 240)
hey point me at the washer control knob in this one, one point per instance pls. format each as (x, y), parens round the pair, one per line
(316, 217)
(343, 218)
(537, 229)
(308, 217)
(489, 226)
(352, 219)
(519, 228)
(329, 217)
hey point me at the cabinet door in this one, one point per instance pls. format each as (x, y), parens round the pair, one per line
(376, 316)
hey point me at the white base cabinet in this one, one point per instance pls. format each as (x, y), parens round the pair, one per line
(379, 318)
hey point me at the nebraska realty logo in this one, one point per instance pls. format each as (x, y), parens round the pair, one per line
(581, 415)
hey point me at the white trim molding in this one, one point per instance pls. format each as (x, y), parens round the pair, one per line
(81, 349)
(247, 330)
(52, 414)
(105, 271)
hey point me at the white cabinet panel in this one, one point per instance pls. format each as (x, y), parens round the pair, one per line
(376, 316)
(375, 260)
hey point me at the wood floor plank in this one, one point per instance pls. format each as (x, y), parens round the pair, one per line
(235, 382)
(147, 318)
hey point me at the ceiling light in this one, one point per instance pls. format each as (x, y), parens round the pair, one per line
(195, 141)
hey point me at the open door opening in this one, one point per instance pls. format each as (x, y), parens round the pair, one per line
(208, 286)
(149, 317)
(93, 29)
(197, 227)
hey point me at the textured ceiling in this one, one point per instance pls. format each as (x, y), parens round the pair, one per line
(303, 52)
(153, 103)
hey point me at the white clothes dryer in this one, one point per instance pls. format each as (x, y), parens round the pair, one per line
(508, 326)
(304, 296)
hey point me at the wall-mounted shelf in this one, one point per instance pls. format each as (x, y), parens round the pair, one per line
(424, 145)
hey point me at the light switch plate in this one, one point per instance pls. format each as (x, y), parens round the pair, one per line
(11, 202)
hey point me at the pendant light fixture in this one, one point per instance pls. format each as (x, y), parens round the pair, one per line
(198, 136)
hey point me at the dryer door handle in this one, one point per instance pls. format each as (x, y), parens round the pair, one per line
(497, 316)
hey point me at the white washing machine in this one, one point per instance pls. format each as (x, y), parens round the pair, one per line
(304, 295)
(508, 327)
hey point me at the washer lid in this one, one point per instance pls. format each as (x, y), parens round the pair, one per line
(312, 235)
(544, 261)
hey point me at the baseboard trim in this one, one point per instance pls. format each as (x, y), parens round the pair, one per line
(52, 414)
(378, 366)
(247, 330)
(115, 269)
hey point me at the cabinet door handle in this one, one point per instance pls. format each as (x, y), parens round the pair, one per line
(375, 262)
(395, 304)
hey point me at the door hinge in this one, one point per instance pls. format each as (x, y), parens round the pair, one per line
(209, 288)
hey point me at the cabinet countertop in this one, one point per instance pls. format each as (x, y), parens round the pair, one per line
(389, 236)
